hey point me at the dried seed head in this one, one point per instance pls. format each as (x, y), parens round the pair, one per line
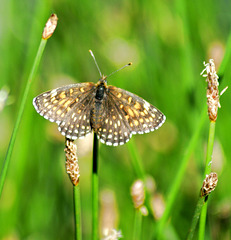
(150, 184)
(138, 193)
(212, 89)
(157, 205)
(72, 166)
(216, 50)
(108, 211)
(209, 184)
(112, 234)
(50, 26)
(144, 211)
(4, 94)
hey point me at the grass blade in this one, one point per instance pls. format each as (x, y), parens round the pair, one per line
(136, 160)
(180, 174)
(20, 113)
(77, 212)
(207, 171)
(95, 190)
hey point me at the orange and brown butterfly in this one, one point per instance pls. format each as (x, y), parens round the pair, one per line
(114, 114)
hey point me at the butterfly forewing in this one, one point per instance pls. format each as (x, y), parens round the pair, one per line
(69, 107)
(141, 116)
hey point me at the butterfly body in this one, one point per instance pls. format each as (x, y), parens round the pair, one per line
(113, 113)
(97, 111)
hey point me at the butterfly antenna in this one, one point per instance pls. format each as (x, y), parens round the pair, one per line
(129, 64)
(95, 62)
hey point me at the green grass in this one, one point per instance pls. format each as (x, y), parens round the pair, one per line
(167, 43)
(20, 113)
(77, 212)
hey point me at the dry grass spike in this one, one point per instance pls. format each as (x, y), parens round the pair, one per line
(138, 193)
(212, 89)
(72, 166)
(50, 26)
(209, 184)
(112, 234)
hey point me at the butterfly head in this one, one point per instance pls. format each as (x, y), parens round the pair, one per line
(101, 86)
(103, 81)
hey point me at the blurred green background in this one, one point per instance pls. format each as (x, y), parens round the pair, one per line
(167, 41)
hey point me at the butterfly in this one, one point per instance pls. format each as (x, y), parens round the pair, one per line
(114, 114)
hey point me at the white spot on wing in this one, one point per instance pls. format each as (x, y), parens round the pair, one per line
(146, 105)
(53, 93)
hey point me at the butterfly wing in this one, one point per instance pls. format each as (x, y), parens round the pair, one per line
(127, 114)
(69, 107)
(141, 115)
(114, 129)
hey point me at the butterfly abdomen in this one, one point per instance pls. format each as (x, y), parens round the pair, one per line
(98, 107)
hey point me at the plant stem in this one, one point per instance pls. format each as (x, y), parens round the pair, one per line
(226, 59)
(20, 113)
(77, 212)
(136, 160)
(201, 233)
(137, 225)
(180, 174)
(195, 218)
(210, 148)
(95, 189)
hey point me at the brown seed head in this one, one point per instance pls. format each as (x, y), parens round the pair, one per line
(212, 89)
(209, 184)
(157, 205)
(108, 211)
(112, 234)
(50, 26)
(138, 193)
(72, 166)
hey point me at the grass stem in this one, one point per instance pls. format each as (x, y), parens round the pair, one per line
(195, 218)
(136, 160)
(20, 113)
(77, 212)
(201, 233)
(137, 225)
(227, 58)
(95, 189)
(180, 174)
